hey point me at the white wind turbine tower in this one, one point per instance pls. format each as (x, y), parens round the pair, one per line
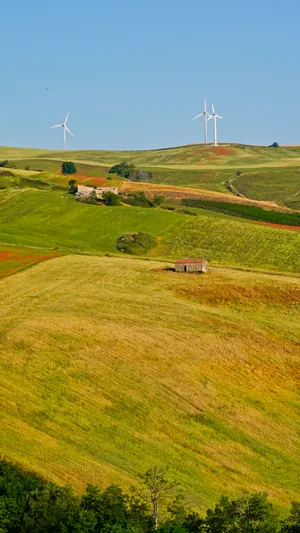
(66, 129)
(214, 116)
(206, 117)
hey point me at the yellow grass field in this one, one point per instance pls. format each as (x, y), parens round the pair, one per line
(112, 365)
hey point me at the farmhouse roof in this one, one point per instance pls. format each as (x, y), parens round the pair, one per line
(190, 261)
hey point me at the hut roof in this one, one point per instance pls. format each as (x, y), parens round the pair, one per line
(190, 261)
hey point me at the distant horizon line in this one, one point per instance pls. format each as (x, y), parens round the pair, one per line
(150, 149)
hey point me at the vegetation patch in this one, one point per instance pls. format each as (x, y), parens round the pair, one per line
(136, 243)
(245, 211)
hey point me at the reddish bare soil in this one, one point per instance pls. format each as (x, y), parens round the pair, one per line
(278, 226)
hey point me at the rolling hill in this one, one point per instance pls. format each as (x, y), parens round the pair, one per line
(111, 365)
(266, 173)
(55, 220)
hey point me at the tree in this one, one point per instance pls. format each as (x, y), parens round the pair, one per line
(68, 168)
(158, 487)
(72, 185)
(158, 200)
(292, 523)
(123, 169)
(274, 145)
(110, 198)
(253, 514)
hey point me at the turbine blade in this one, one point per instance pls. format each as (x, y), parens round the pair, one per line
(69, 131)
(210, 116)
(218, 116)
(213, 108)
(204, 104)
(198, 116)
(66, 119)
(57, 126)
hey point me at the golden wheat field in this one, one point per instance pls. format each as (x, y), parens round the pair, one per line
(112, 365)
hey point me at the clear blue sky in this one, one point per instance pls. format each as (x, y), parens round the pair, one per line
(133, 73)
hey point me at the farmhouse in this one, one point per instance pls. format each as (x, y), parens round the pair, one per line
(86, 191)
(191, 265)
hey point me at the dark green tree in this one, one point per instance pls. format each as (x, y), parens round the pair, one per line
(292, 523)
(124, 169)
(68, 168)
(246, 515)
(72, 186)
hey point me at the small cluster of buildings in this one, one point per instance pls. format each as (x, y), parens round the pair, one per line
(86, 191)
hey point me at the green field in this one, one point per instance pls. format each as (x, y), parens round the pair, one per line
(279, 185)
(112, 365)
(54, 219)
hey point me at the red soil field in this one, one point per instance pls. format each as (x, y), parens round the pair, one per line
(279, 226)
(12, 261)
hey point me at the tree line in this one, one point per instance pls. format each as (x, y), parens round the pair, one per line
(30, 504)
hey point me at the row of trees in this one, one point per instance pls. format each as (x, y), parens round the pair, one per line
(29, 504)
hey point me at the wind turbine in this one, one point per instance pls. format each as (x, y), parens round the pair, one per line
(214, 116)
(206, 116)
(66, 129)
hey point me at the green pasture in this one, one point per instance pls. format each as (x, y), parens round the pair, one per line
(55, 219)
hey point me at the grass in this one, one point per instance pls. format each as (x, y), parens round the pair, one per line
(279, 185)
(112, 365)
(245, 211)
(268, 174)
(54, 219)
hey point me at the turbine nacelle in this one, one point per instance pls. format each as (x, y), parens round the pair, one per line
(65, 128)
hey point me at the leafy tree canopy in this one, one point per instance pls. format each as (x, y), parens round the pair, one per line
(68, 168)
(123, 169)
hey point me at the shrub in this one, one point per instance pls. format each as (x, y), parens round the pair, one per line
(6, 174)
(110, 198)
(136, 243)
(158, 200)
(68, 168)
(123, 169)
(72, 185)
(7, 164)
(137, 199)
(274, 145)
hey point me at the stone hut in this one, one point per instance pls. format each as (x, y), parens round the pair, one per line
(191, 265)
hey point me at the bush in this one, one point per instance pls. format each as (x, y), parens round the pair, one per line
(274, 145)
(7, 164)
(136, 243)
(110, 198)
(68, 168)
(123, 169)
(158, 200)
(6, 174)
(141, 175)
(137, 199)
(72, 185)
